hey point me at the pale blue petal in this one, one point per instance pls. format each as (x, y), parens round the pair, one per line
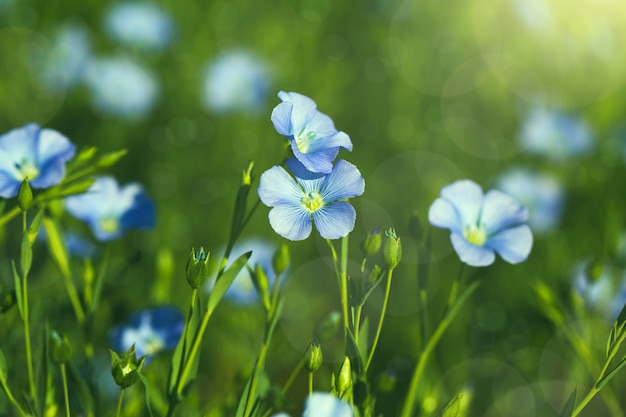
(53, 151)
(321, 404)
(9, 186)
(322, 125)
(281, 118)
(513, 245)
(304, 109)
(466, 197)
(335, 220)
(309, 181)
(320, 161)
(281, 415)
(501, 211)
(276, 186)
(334, 140)
(471, 254)
(345, 181)
(291, 221)
(443, 214)
(96, 202)
(18, 144)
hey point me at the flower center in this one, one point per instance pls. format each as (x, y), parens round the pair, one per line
(303, 140)
(27, 169)
(110, 224)
(312, 201)
(152, 344)
(475, 234)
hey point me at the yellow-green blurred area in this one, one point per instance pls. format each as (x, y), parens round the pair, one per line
(430, 92)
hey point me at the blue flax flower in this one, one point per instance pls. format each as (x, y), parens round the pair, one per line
(314, 140)
(142, 25)
(600, 288)
(110, 210)
(482, 224)
(311, 197)
(152, 331)
(34, 153)
(323, 404)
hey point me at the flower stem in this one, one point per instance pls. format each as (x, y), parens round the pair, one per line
(65, 392)
(27, 346)
(345, 303)
(120, 400)
(380, 320)
(310, 383)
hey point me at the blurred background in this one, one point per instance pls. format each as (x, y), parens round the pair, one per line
(522, 95)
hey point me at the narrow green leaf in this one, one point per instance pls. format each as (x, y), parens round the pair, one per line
(364, 338)
(146, 385)
(601, 383)
(56, 246)
(568, 409)
(262, 388)
(371, 286)
(18, 290)
(621, 318)
(35, 225)
(79, 186)
(3, 367)
(352, 351)
(223, 283)
(610, 340)
(111, 158)
(26, 255)
(451, 409)
(80, 389)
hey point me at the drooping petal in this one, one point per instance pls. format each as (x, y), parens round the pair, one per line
(308, 180)
(281, 118)
(466, 197)
(303, 110)
(320, 161)
(291, 221)
(326, 405)
(276, 186)
(513, 245)
(443, 214)
(335, 220)
(345, 181)
(53, 151)
(501, 211)
(333, 140)
(471, 254)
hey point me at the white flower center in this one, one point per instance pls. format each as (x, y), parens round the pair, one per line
(475, 234)
(312, 201)
(303, 140)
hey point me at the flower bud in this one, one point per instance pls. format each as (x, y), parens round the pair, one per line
(25, 196)
(313, 357)
(246, 178)
(125, 370)
(197, 268)
(344, 378)
(280, 260)
(371, 244)
(261, 283)
(327, 326)
(392, 249)
(60, 348)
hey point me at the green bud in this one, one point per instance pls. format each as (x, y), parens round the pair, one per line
(262, 285)
(60, 348)
(111, 158)
(392, 248)
(280, 260)
(371, 244)
(344, 378)
(125, 369)
(25, 196)
(246, 178)
(327, 326)
(313, 357)
(197, 268)
(416, 229)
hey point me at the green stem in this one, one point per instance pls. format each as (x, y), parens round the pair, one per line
(380, 320)
(310, 383)
(293, 375)
(345, 302)
(29, 356)
(195, 347)
(259, 365)
(120, 400)
(65, 391)
(74, 298)
(10, 396)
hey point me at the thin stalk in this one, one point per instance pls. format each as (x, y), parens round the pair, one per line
(10, 396)
(195, 347)
(345, 302)
(310, 383)
(260, 363)
(380, 320)
(65, 391)
(293, 375)
(29, 356)
(120, 400)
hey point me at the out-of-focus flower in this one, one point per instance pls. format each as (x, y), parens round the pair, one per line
(236, 81)
(311, 197)
(323, 404)
(139, 24)
(554, 134)
(541, 193)
(34, 153)
(111, 210)
(482, 224)
(64, 63)
(314, 140)
(75, 244)
(121, 87)
(600, 288)
(151, 331)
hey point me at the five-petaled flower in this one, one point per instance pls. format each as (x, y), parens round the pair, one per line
(110, 210)
(314, 140)
(34, 153)
(482, 224)
(311, 197)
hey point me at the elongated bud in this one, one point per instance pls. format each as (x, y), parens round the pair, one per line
(280, 260)
(372, 242)
(60, 348)
(392, 248)
(262, 286)
(344, 378)
(25, 196)
(313, 357)
(327, 326)
(111, 158)
(125, 369)
(246, 178)
(197, 268)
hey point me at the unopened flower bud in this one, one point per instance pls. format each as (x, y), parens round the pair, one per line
(280, 260)
(197, 268)
(392, 248)
(60, 348)
(261, 283)
(372, 242)
(246, 178)
(344, 378)
(25, 196)
(125, 370)
(327, 326)
(313, 357)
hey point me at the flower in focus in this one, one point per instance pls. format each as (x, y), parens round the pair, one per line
(236, 81)
(598, 287)
(554, 134)
(110, 210)
(482, 224)
(314, 140)
(142, 25)
(152, 331)
(121, 87)
(34, 153)
(323, 404)
(542, 194)
(311, 197)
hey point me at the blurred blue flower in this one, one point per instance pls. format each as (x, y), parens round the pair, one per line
(139, 24)
(65, 62)
(601, 289)
(236, 81)
(34, 153)
(541, 193)
(152, 331)
(323, 404)
(555, 135)
(75, 244)
(314, 140)
(312, 197)
(482, 224)
(121, 87)
(110, 210)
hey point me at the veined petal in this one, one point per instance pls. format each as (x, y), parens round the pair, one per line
(335, 220)
(334, 140)
(443, 214)
(501, 211)
(18, 144)
(345, 181)
(291, 221)
(513, 245)
(466, 197)
(276, 186)
(471, 254)
(320, 161)
(326, 405)
(281, 118)
(309, 181)
(322, 125)
(303, 110)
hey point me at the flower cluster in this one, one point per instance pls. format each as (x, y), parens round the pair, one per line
(317, 193)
